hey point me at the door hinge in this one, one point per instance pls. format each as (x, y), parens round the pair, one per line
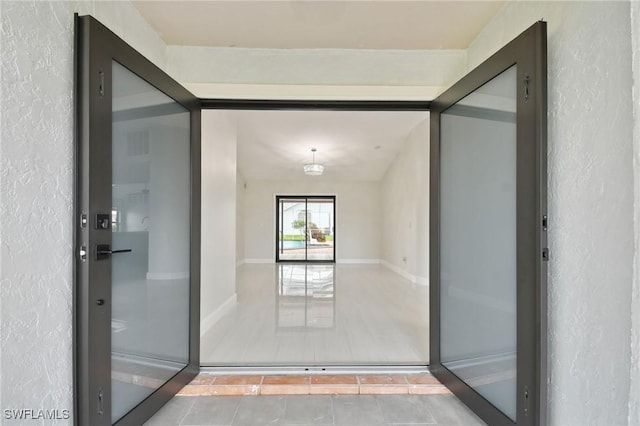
(526, 401)
(545, 254)
(527, 80)
(101, 83)
(545, 222)
(100, 402)
(83, 220)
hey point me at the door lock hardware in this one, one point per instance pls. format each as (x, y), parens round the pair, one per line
(103, 251)
(103, 221)
(83, 220)
(83, 253)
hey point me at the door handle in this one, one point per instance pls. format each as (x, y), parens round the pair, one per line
(103, 251)
(117, 251)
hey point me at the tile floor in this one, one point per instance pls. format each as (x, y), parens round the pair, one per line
(349, 410)
(313, 399)
(321, 315)
(314, 384)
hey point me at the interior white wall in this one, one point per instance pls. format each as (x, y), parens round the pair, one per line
(315, 73)
(590, 200)
(240, 183)
(634, 394)
(358, 217)
(219, 165)
(231, 65)
(37, 166)
(405, 208)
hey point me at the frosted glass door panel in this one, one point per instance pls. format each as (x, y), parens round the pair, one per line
(478, 240)
(150, 217)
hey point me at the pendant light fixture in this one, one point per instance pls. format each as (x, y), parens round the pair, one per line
(313, 169)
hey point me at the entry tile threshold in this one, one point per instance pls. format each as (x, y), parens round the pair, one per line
(207, 384)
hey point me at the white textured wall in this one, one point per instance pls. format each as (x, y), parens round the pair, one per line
(37, 192)
(358, 217)
(634, 400)
(405, 207)
(218, 280)
(315, 73)
(590, 201)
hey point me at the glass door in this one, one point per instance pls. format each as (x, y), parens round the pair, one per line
(320, 222)
(488, 234)
(305, 229)
(291, 232)
(138, 237)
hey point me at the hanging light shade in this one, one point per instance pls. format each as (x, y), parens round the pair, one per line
(313, 169)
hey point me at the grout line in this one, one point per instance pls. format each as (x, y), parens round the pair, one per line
(235, 413)
(360, 387)
(186, 413)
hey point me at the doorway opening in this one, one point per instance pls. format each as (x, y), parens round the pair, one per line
(331, 268)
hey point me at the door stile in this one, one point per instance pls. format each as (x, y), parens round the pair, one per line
(96, 50)
(528, 52)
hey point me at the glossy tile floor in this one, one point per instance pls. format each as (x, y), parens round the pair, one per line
(321, 314)
(350, 410)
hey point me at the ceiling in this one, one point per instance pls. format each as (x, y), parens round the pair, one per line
(352, 145)
(274, 145)
(310, 24)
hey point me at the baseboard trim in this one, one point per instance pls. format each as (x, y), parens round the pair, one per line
(414, 279)
(359, 261)
(211, 319)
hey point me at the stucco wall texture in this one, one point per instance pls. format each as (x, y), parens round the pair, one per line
(37, 192)
(594, 348)
(590, 201)
(634, 393)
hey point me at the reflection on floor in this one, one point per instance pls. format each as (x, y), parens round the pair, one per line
(303, 410)
(313, 252)
(321, 314)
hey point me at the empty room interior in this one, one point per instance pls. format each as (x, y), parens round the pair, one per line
(326, 269)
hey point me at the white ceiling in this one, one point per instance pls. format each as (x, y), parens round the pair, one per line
(309, 24)
(274, 145)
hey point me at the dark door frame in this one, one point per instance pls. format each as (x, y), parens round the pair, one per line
(278, 227)
(96, 47)
(91, 36)
(529, 52)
